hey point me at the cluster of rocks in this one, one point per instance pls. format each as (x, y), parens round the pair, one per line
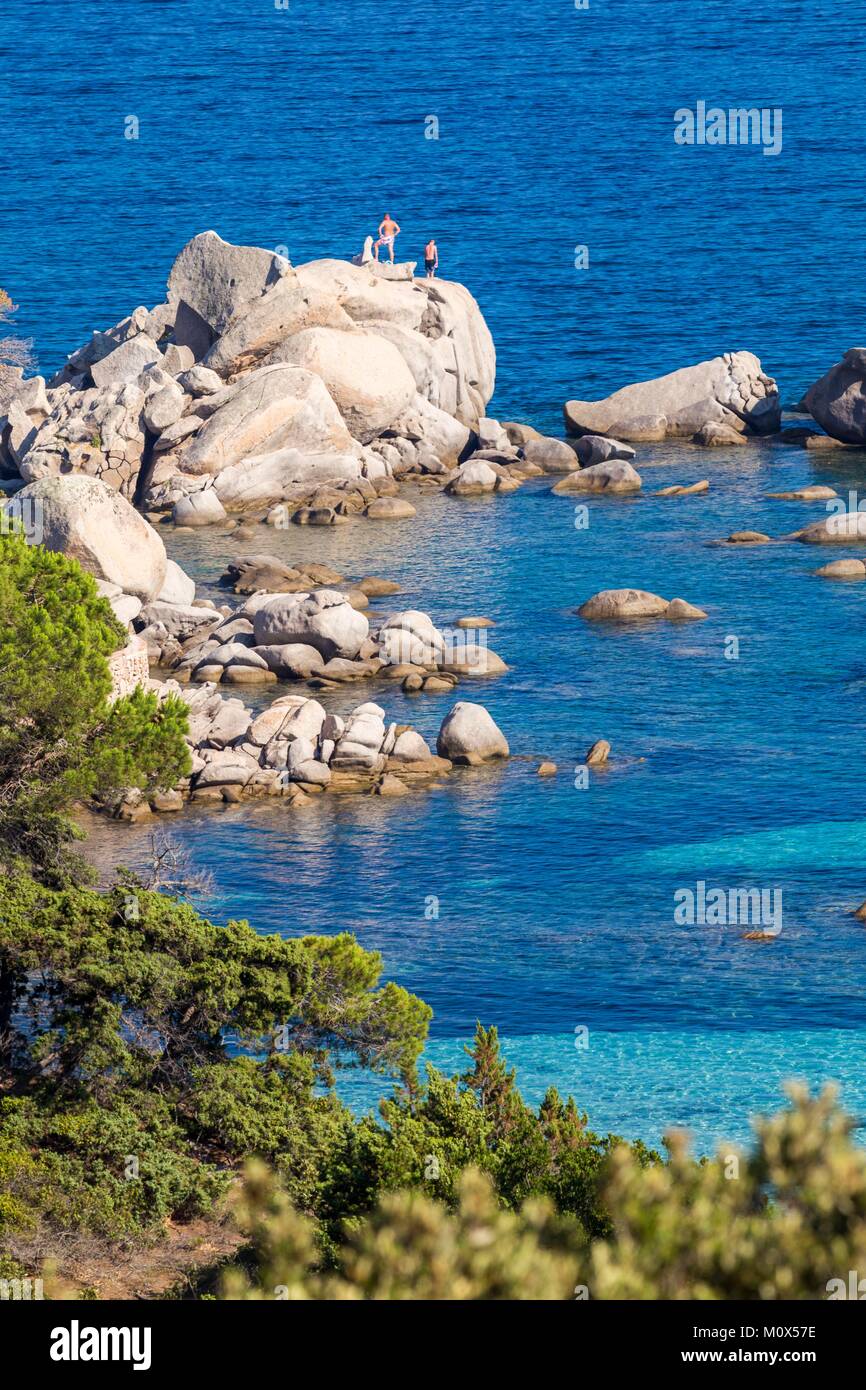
(318, 635)
(295, 749)
(626, 605)
(258, 381)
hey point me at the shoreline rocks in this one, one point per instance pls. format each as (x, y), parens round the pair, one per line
(294, 749)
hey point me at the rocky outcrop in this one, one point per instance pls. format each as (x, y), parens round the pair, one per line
(86, 519)
(728, 390)
(838, 400)
(286, 376)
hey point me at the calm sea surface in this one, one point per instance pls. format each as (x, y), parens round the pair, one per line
(298, 128)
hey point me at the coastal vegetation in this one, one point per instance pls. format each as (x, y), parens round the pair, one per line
(157, 1069)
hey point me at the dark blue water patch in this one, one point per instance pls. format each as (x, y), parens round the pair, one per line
(300, 127)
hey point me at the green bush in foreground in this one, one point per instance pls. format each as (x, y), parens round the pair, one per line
(131, 1028)
(783, 1222)
(61, 739)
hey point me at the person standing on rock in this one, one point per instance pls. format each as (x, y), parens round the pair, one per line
(388, 230)
(431, 258)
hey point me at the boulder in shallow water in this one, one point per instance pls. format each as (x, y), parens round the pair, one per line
(549, 454)
(842, 528)
(614, 476)
(838, 400)
(843, 569)
(813, 492)
(618, 605)
(597, 448)
(390, 509)
(469, 733)
(199, 509)
(473, 479)
(715, 434)
(678, 610)
(598, 754)
(323, 620)
(731, 389)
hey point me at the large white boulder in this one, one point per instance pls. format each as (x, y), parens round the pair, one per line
(178, 588)
(360, 743)
(324, 620)
(275, 407)
(275, 477)
(432, 362)
(469, 731)
(411, 636)
(366, 375)
(731, 389)
(90, 521)
(615, 475)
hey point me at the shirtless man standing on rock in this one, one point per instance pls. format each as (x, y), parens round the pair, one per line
(388, 230)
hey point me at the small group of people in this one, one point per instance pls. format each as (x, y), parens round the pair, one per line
(389, 230)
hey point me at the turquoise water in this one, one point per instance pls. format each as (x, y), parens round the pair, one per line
(299, 128)
(556, 901)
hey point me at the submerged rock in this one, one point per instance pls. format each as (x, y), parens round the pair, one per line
(598, 754)
(843, 569)
(840, 529)
(625, 605)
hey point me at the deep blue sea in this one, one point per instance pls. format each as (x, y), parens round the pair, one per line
(299, 128)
